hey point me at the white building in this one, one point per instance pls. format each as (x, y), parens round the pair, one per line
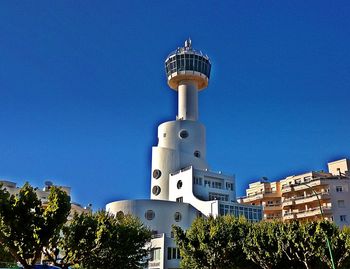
(43, 195)
(182, 186)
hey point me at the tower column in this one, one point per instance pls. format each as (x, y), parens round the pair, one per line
(188, 100)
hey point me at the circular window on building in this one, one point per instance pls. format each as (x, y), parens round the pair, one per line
(197, 154)
(149, 215)
(156, 173)
(120, 214)
(183, 134)
(156, 190)
(177, 216)
(179, 184)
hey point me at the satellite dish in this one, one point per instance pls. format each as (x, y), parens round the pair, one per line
(48, 183)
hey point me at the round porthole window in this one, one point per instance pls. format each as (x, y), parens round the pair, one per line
(149, 215)
(177, 216)
(183, 134)
(197, 154)
(179, 184)
(120, 214)
(156, 190)
(156, 173)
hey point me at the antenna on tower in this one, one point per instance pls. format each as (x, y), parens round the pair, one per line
(188, 43)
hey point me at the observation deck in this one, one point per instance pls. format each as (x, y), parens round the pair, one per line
(185, 63)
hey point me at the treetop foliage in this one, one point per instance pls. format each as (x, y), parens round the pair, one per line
(227, 242)
(27, 225)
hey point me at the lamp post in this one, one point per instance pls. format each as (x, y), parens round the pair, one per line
(322, 215)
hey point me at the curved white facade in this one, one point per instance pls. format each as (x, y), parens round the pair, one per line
(182, 187)
(175, 152)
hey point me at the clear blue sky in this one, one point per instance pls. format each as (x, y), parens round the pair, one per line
(82, 89)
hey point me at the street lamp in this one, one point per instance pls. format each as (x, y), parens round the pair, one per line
(322, 215)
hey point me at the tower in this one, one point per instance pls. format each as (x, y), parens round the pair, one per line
(181, 142)
(182, 185)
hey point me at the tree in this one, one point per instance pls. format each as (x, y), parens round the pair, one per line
(104, 241)
(75, 244)
(27, 225)
(340, 244)
(213, 243)
(303, 242)
(6, 258)
(261, 244)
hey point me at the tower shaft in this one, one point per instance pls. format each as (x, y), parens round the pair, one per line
(188, 100)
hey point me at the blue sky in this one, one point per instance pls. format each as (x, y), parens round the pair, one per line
(82, 89)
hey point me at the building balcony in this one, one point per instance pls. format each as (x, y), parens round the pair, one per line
(289, 216)
(287, 189)
(312, 198)
(273, 207)
(251, 198)
(288, 202)
(310, 184)
(311, 212)
(260, 196)
(272, 217)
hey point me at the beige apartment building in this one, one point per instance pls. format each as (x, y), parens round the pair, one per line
(43, 195)
(307, 196)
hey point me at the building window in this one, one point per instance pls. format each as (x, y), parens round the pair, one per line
(120, 214)
(197, 180)
(179, 199)
(149, 215)
(155, 254)
(164, 134)
(339, 188)
(206, 183)
(156, 190)
(173, 253)
(179, 184)
(197, 154)
(229, 186)
(156, 173)
(216, 185)
(177, 216)
(183, 134)
(343, 218)
(218, 196)
(341, 203)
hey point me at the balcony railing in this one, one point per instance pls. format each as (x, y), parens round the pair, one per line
(314, 211)
(259, 195)
(311, 182)
(312, 198)
(306, 199)
(289, 216)
(273, 207)
(288, 202)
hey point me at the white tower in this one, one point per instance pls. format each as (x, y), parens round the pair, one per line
(181, 142)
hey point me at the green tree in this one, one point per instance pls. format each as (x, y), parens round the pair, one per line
(213, 243)
(103, 241)
(27, 225)
(340, 244)
(75, 243)
(301, 243)
(6, 258)
(261, 245)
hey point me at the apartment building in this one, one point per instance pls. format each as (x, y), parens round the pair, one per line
(308, 196)
(265, 194)
(43, 195)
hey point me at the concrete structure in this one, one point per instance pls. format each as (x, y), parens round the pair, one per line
(301, 196)
(268, 195)
(43, 195)
(182, 185)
